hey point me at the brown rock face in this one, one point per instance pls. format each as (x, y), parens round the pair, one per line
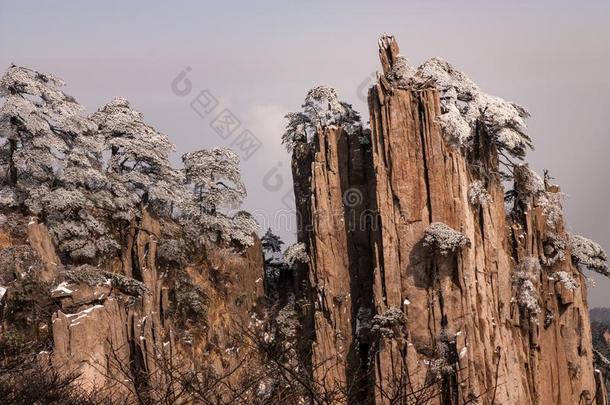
(119, 326)
(40, 241)
(339, 273)
(407, 323)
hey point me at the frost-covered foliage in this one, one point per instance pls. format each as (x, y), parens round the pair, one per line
(401, 72)
(589, 254)
(86, 274)
(87, 178)
(390, 324)
(528, 183)
(296, 253)
(287, 322)
(456, 129)
(553, 248)
(238, 229)
(191, 300)
(446, 358)
(94, 276)
(525, 281)
(174, 250)
(464, 106)
(77, 209)
(77, 223)
(531, 188)
(444, 239)
(216, 185)
(38, 125)
(139, 155)
(567, 280)
(52, 157)
(321, 109)
(127, 285)
(551, 203)
(215, 177)
(477, 194)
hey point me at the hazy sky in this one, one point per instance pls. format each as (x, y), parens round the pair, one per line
(260, 58)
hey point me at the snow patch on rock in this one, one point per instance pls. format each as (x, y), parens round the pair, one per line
(62, 288)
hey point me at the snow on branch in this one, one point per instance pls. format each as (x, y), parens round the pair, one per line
(88, 177)
(296, 253)
(215, 177)
(553, 250)
(38, 126)
(477, 194)
(567, 280)
(139, 154)
(215, 181)
(589, 254)
(389, 324)
(444, 239)
(321, 109)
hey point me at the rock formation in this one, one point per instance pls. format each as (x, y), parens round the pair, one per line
(417, 277)
(422, 288)
(118, 326)
(122, 278)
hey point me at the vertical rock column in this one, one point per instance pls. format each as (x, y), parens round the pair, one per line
(469, 328)
(458, 331)
(558, 339)
(498, 317)
(331, 189)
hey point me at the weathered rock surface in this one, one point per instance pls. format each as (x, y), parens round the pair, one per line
(116, 325)
(407, 322)
(419, 288)
(331, 188)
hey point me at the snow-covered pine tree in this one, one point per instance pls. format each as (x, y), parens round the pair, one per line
(38, 127)
(215, 177)
(79, 209)
(321, 108)
(52, 161)
(296, 253)
(217, 187)
(53, 166)
(139, 157)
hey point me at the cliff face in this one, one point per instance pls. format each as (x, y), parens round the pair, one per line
(130, 326)
(331, 187)
(501, 319)
(419, 284)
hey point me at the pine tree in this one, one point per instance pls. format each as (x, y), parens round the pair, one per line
(139, 156)
(39, 125)
(271, 242)
(216, 184)
(321, 108)
(52, 160)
